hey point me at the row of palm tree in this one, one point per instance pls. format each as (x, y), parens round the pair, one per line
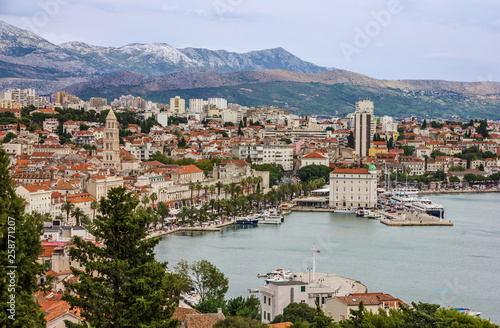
(239, 203)
(244, 187)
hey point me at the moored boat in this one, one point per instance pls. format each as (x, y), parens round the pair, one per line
(346, 210)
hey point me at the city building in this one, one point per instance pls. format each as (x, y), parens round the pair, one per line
(111, 143)
(339, 307)
(355, 187)
(37, 198)
(177, 105)
(364, 127)
(314, 158)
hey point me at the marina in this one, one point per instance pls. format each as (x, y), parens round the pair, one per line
(456, 267)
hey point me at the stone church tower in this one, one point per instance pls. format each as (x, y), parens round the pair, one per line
(111, 143)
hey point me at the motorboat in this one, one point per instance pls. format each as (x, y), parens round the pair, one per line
(286, 208)
(362, 212)
(247, 221)
(346, 210)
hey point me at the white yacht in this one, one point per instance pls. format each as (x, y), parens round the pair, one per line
(348, 210)
(406, 190)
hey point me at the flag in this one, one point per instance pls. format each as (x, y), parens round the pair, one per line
(316, 251)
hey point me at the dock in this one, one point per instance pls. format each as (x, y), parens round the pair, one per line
(411, 219)
(214, 228)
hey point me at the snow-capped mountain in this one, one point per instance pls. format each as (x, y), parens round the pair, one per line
(21, 48)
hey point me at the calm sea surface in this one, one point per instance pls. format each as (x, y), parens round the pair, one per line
(455, 266)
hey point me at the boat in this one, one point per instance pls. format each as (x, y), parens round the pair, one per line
(252, 290)
(468, 311)
(286, 208)
(269, 217)
(261, 275)
(404, 200)
(425, 205)
(407, 190)
(362, 212)
(247, 221)
(345, 210)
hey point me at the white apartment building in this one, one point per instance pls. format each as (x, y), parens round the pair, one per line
(314, 158)
(37, 198)
(196, 106)
(279, 154)
(256, 153)
(221, 103)
(25, 97)
(50, 124)
(353, 187)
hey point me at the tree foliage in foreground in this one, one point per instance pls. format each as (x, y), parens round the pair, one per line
(421, 315)
(239, 322)
(19, 252)
(208, 281)
(314, 172)
(121, 284)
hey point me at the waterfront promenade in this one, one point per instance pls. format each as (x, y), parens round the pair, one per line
(408, 219)
(213, 227)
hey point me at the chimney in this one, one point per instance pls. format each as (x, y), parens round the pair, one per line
(219, 310)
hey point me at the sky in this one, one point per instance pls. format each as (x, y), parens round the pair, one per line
(456, 40)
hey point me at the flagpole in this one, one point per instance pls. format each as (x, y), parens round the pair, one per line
(314, 261)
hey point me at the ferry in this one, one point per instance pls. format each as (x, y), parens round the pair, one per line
(425, 205)
(346, 210)
(405, 200)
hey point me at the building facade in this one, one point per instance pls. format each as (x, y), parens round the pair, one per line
(353, 187)
(111, 143)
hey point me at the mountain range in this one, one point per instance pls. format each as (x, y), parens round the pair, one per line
(268, 77)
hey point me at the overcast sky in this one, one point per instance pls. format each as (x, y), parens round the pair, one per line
(388, 39)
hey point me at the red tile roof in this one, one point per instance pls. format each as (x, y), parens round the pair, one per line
(351, 171)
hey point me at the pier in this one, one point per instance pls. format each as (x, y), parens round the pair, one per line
(409, 219)
(212, 228)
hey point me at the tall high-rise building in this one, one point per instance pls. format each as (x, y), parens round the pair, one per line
(364, 129)
(177, 105)
(221, 103)
(196, 106)
(111, 143)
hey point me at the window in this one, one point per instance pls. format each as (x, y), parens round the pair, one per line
(269, 317)
(269, 301)
(264, 315)
(265, 299)
(302, 288)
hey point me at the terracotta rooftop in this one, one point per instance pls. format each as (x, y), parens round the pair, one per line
(352, 171)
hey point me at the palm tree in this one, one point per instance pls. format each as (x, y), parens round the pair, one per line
(77, 213)
(232, 188)
(177, 285)
(198, 189)
(298, 188)
(206, 188)
(244, 184)
(154, 198)
(163, 213)
(219, 185)
(227, 190)
(259, 180)
(94, 205)
(192, 211)
(212, 190)
(183, 214)
(203, 213)
(145, 200)
(192, 187)
(67, 207)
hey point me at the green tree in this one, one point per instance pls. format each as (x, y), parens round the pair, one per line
(212, 305)
(350, 140)
(67, 207)
(25, 230)
(120, 284)
(245, 307)
(239, 322)
(408, 150)
(314, 172)
(424, 125)
(275, 171)
(9, 137)
(208, 281)
(295, 312)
